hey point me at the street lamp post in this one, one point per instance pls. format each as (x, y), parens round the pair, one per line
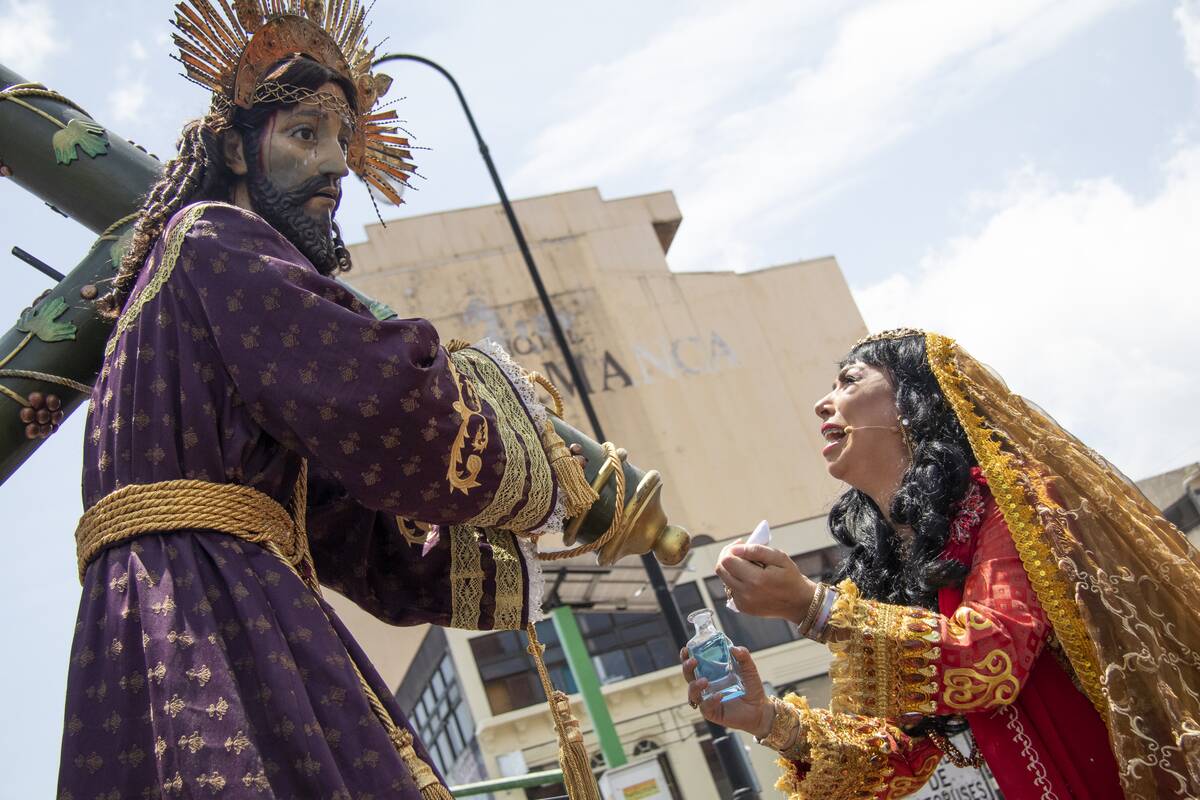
(729, 752)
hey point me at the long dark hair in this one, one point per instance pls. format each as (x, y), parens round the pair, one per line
(199, 172)
(936, 480)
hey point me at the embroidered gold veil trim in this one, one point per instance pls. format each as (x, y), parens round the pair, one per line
(1120, 584)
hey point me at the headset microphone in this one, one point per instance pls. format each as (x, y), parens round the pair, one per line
(849, 429)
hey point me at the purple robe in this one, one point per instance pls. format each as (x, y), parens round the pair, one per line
(202, 665)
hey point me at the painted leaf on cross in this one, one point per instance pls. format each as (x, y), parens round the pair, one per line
(42, 321)
(87, 136)
(117, 251)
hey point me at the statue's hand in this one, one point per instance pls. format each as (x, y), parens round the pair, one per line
(752, 712)
(577, 452)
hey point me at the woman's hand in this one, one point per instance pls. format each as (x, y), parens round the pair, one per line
(765, 582)
(752, 712)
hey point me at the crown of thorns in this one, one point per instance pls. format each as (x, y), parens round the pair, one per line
(227, 50)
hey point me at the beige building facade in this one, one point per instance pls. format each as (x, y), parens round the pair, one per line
(709, 378)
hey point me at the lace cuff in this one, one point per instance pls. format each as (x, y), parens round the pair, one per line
(537, 579)
(885, 656)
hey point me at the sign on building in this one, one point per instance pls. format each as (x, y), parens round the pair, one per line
(637, 780)
(949, 782)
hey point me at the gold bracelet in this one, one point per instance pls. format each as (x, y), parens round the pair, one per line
(785, 729)
(813, 608)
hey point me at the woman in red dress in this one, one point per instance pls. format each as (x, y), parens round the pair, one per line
(1002, 578)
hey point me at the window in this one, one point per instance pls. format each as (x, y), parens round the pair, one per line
(644, 746)
(713, 761)
(442, 719)
(621, 645)
(820, 564)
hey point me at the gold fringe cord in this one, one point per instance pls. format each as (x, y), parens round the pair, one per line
(578, 777)
(169, 506)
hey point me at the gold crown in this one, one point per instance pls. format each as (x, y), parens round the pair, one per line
(229, 50)
(893, 333)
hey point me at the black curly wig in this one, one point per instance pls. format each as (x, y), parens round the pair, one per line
(936, 480)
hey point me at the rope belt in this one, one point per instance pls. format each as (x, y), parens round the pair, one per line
(169, 506)
(248, 514)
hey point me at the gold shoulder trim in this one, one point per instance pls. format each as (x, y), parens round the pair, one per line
(159, 279)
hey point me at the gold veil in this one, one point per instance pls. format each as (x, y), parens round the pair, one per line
(1120, 584)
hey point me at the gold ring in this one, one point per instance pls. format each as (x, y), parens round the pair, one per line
(728, 592)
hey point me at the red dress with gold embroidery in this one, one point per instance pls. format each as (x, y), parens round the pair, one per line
(986, 656)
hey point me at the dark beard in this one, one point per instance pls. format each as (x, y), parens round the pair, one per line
(285, 213)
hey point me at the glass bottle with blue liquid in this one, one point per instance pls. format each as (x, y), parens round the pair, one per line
(711, 649)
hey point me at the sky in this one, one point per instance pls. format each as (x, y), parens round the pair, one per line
(1023, 176)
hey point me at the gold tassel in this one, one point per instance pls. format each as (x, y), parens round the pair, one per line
(578, 777)
(578, 494)
(422, 774)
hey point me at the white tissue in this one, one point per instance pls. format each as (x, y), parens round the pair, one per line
(761, 535)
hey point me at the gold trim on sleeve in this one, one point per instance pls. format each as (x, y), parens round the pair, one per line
(510, 587)
(989, 683)
(463, 473)
(885, 657)
(965, 620)
(905, 785)
(466, 578)
(526, 491)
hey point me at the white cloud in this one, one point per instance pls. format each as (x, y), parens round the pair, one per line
(891, 67)
(128, 100)
(1187, 15)
(621, 115)
(1083, 297)
(28, 37)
